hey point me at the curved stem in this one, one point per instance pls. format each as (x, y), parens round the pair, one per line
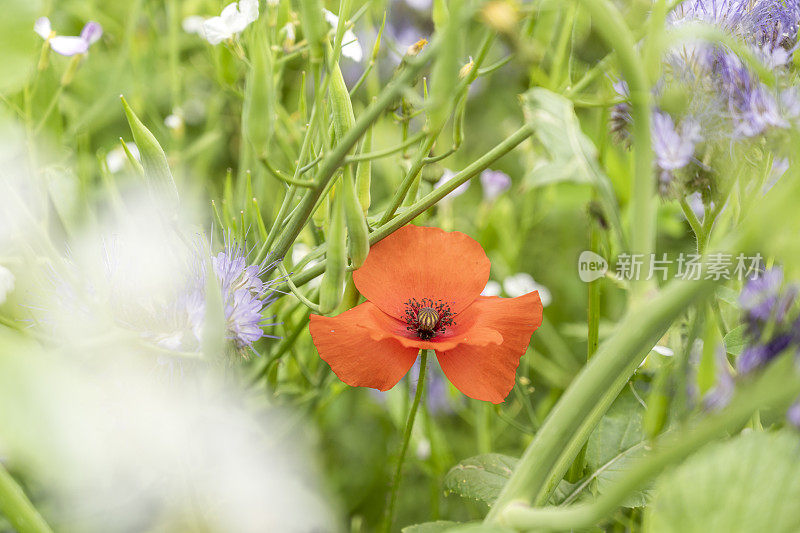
(779, 386)
(590, 394)
(398, 473)
(305, 301)
(424, 203)
(17, 508)
(335, 157)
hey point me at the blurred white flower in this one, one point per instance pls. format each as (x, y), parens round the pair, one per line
(492, 288)
(663, 350)
(173, 121)
(6, 283)
(68, 45)
(447, 175)
(299, 251)
(420, 5)
(120, 450)
(423, 451)
(289, 35)
(350, 46)
(116, 158)
(193, 24)
(522, 283)
(233, 19)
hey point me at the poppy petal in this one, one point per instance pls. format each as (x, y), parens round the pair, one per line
(344, 343)
(422, 262)
(488, 372)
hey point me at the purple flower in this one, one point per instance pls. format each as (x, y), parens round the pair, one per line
(673, 148)
(436, 398)
(758, 355)
(793, 414)
(759, 110)
(494, 183)
(68, 45)
(760, 295)
(723, 390)
(244, 294)
(770, 329)
(725, 14)
(772, 25)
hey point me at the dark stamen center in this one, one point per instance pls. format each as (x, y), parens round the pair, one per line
(427, 318)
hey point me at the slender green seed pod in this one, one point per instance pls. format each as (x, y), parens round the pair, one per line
(158, 177)
(314, 28)
(259, 101)
(320, 216)
(341, 106)
(364, 174)
(330, 290)
(350, 297)
(658, 403)
(358, 245)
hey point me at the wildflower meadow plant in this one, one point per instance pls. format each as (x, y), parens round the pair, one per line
(234, 236)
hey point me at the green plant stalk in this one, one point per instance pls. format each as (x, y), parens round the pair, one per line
(17, 508)
(334, 159)
(778, 386)
(590, 394)
(609, 22)
(398, 473)
(420, 159)
(424, 203)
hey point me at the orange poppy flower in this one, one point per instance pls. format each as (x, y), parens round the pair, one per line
(423, 288)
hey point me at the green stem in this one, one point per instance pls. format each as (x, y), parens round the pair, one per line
(336, 156)
(779, 386)
(590, 394)
(609, 22)
(17, 508)
(412, 414)
(424, 203)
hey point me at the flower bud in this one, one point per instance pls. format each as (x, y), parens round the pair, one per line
(158, 176)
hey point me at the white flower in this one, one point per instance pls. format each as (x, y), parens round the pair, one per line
(289, 34)
(173, 121)
(350, 46)
(299, 252)
(663, 350)
(492, 289)
(6, 283)
(116, 158)
(447, 175)
(235, 17)
(523, 283)
(193, 24)
(68, 45)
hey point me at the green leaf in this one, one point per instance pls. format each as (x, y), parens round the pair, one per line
(617, 441)
(734, 340)
(749, 483)
(573, 156)
(481, 477)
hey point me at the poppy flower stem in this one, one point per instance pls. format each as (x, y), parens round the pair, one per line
(398, 473)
